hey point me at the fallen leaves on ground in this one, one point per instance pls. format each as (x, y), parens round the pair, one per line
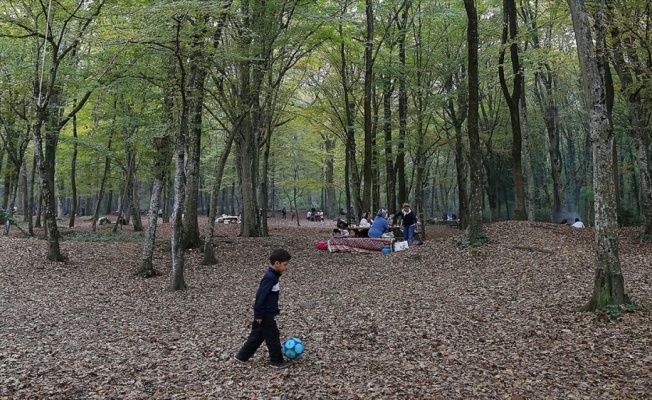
(432, 322)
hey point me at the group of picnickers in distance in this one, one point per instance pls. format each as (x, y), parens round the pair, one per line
(577, 224)
(315, 215)
(383, 225)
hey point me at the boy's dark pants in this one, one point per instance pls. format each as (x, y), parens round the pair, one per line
(266, 331)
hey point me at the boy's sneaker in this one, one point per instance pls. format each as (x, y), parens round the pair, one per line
(279, 365)
(239, 361)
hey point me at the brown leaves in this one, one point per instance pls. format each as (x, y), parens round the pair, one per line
(432, 322)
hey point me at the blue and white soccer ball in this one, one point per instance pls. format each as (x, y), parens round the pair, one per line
(292, 348)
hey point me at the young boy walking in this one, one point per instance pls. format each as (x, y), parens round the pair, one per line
(264, 326)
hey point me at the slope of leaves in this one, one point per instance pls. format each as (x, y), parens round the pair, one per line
(432, 322)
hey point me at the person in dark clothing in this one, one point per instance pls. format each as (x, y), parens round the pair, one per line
(409, 223)
(264, 327)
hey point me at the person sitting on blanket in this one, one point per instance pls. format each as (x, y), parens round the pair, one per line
(380, 226)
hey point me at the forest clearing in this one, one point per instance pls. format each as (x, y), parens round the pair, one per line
(433, 322)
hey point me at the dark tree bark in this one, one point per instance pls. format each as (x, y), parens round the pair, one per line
(73, 175)
(390, 182)
(196, 79)
(475, 206)
(510, 35)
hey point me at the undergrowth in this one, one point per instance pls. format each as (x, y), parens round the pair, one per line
(614, 312)
(646, 237)
(481, 239)
(103, 237)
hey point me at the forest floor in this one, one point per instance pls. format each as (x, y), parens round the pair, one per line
(433, 322)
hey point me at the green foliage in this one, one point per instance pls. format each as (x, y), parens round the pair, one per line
(646, 237)
(481, 239)
(629, 217)
(102, 237)
(614, 312)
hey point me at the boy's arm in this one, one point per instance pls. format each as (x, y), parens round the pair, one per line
(261, 296)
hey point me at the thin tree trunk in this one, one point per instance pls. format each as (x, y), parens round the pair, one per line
(527, 157)
(30, 217)
(147, 269)
(209, 253)
(105, 174)
(177, 281)
(73, 174)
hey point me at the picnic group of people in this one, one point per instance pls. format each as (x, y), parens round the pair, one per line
(577, 224)
(315, 215)
(380, 226)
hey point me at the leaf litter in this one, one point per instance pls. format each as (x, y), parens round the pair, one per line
(433, 322)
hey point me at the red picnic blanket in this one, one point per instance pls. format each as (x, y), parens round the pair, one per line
(358, 245)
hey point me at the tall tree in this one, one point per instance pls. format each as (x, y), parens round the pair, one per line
(509, 40)
(475, 202)
(632, 68)
(56, 33)
(609, 284)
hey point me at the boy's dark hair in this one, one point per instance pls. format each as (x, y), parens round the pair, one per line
(280, 255)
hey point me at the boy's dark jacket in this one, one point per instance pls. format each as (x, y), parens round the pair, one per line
(266, 304)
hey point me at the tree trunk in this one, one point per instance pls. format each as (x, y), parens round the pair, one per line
(550, 112)
(460, 168)
(527, 156)
(46, 162)
(197, 76)
(510, 31)
(31, 206)
(105, 174)
(134, 204)
(246, 160)
(609, 287)
(475, 162)
(368, 82)
(329, 148)
(209, 254)
(125, 208)
(73, 175)
(177, 281)
(146, 269)
(351, 175)
(390, 173)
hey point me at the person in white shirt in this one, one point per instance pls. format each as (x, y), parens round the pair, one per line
(366, 220)
(577, 223)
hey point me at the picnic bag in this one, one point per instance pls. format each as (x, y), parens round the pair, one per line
(398, 246)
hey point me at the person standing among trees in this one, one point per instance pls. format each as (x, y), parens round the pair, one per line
(409, 222)
(264, 327)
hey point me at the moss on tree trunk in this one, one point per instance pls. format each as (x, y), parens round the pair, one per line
(147, 270)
